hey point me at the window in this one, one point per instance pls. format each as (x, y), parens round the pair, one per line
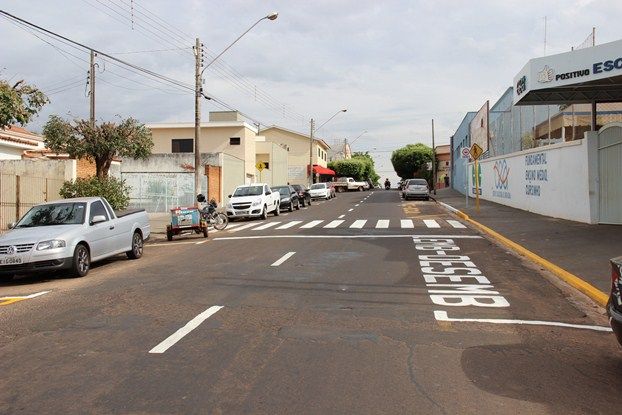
(234, 141)
(182, 145)
(266, 165)
(319, 152)
(97, 209)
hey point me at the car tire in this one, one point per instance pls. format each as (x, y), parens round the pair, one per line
(81, 262)
(291, 206)
(360, 188)
(137, 246)
(264, 213)
(277, 210)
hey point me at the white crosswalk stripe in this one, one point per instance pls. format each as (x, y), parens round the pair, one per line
(266, 226)
(407, 223)
(290, 224)
(382, 224)
(358, 224)
(240, 228)
(311, 224)
(456, 224)
(334, 224)
(431, 223)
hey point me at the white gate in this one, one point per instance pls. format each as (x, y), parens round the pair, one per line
(610, 173)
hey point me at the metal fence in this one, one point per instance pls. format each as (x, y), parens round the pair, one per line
(18, 193)
(159, 192)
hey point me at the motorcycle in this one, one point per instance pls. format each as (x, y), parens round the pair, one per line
(387, 185)
(208, 213)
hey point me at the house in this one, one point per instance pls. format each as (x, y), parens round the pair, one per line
(443, 165)
(272, 158)
(298, 146)
(15, 140)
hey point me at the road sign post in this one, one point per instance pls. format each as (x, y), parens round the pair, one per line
(476, 152)
(260, 166)
(466, 154)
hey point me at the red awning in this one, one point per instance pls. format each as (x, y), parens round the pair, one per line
(323, 170)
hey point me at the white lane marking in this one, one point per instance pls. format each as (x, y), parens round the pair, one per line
(236, 238)
(350, 210)
(266, 226)
(357, 205)
(358, 224)
(239, 228)
(442, 316)
(407, 223)
(456, 224)
(283, 259)
(311, 224)
(289, 224)
(334, 224)
(200, 242)
(341, 217)
(11, 297)
(171, 243)
(382, 224)
(431, 223)
(233, 225)
(191, 325)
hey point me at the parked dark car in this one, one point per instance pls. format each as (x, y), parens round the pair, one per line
(614, 306)
(289, 197)
(303, 194)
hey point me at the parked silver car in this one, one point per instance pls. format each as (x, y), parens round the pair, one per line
(416, 188)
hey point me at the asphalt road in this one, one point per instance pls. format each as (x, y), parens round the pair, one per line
(410, 311)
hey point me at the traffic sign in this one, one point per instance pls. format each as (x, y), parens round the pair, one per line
(476, 151)
(260, 166)
(465, 152)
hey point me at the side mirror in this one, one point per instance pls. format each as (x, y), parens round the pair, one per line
(229, 196)
(98, 219)
(11, 225)
(267, 193)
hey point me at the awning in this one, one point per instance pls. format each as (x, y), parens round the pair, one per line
(593, 74)
(323, 170)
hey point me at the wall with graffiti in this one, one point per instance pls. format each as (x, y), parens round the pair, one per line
(552, 180)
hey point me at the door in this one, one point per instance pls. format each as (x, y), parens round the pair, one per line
(610, 174)
(99, 235)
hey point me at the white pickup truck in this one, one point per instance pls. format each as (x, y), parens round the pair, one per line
(252, 201)
(343, 184)
(69, 234)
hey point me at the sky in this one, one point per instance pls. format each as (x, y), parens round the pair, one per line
(395, 65)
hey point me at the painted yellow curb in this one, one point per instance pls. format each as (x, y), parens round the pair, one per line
(586, 288)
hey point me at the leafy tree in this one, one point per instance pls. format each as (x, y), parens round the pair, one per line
(411, 161)
(370, 173)
(114, 190)
(101, 143)
(349, 168)
(19, 103)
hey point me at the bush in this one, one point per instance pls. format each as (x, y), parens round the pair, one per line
(116, 192)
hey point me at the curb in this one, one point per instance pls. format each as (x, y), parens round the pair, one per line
(586, 288)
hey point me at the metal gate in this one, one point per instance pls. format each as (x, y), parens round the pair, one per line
(610, 173)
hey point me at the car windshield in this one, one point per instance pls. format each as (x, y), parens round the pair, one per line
(248, 191)
(418, 182)
(318, 186)
(54, 214)
(282, 190)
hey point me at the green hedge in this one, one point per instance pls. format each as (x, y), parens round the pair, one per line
(116, 192)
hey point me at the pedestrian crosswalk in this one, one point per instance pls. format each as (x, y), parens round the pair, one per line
(343, 223)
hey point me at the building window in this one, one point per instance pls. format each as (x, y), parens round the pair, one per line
(182, 145)
(266, 165)
(319, 152)
(234, 141)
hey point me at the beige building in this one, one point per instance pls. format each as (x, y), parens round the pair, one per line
(274, 161)
(225, 132)
(297, 146)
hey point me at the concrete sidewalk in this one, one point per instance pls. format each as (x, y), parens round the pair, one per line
(581, 249)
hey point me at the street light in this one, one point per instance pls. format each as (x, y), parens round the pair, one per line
(311, 142)
(198, 92)
(359, 136)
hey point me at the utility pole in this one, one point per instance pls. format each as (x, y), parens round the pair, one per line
(311, 152)
(345, 148)
(197, 116)
(92, 88)
(433, 161)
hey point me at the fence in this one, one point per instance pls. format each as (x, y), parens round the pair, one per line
(18, 193)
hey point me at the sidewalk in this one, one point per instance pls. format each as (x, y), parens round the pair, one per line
(581, 249)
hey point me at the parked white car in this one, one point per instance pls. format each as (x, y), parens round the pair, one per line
(252, 201)
(319, 191)
(71, 234)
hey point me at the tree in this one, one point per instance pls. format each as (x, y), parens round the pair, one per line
(100, 143)
(411, 161)
(359, 167)
(370, 173)
(19, 103)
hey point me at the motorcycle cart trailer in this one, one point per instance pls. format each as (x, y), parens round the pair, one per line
(186, 220)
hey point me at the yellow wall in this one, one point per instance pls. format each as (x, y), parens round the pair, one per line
(298, 155)
(213, 140)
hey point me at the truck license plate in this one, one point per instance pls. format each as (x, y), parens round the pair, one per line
(10, 260)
